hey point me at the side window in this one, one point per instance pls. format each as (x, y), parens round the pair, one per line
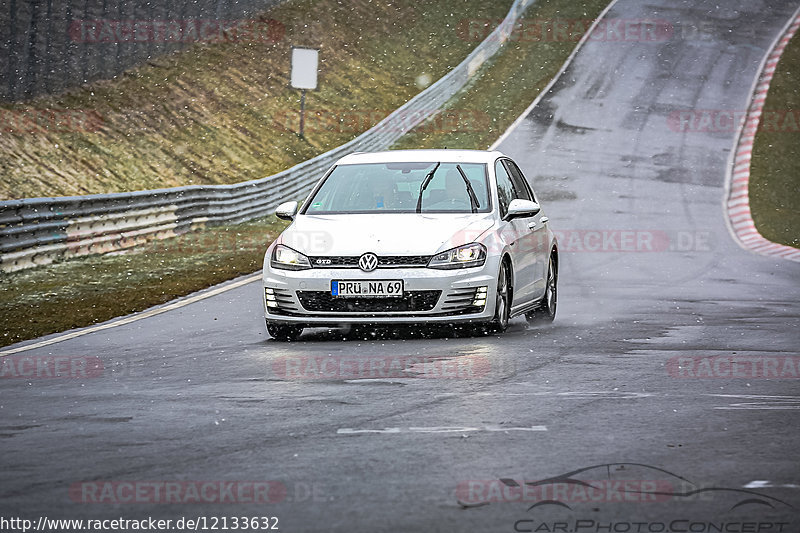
(505, 188)
(520, 183)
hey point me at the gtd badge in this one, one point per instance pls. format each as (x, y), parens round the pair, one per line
(323, 261)
(368, 262)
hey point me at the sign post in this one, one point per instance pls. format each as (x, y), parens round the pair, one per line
(305, 62)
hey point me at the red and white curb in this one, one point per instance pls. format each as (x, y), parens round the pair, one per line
(737, 183)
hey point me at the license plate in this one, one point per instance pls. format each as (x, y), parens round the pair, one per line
(360, 288)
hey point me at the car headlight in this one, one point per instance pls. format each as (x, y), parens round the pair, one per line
(285, 258)
(467, 256)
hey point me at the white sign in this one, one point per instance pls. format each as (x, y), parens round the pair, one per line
(304, 68)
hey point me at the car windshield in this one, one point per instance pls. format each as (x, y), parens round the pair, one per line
(395, 188)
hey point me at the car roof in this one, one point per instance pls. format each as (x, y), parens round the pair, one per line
(421, 156)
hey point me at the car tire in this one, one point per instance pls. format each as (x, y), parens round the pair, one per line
(546, 311)
(284, 332)
(502, 302)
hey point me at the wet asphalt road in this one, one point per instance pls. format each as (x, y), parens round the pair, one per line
(199, 394)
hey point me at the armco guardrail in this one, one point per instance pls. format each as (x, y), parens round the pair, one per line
(40, 230)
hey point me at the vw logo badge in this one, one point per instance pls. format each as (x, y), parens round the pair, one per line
(368, 262)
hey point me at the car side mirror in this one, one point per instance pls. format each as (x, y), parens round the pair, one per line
(287, 210)
(519, 208)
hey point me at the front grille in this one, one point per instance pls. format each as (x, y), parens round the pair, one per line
(386, 261)
(322, 301)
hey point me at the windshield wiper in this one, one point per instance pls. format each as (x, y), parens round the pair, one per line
(473, 200)
(424, 186)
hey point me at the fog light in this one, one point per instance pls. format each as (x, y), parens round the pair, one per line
(480, 296)
(272, 301)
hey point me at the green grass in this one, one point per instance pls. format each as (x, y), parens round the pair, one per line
(775, 167)
(38, 302)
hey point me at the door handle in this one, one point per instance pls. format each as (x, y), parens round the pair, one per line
(532, 224)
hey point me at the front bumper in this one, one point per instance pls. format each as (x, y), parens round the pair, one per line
(430, 296)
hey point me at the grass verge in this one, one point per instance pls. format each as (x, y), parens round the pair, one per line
(775, 167)
(37, 302)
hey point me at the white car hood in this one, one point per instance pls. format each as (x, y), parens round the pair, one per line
(383, 234)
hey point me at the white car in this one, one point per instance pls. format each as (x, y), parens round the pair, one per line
(412, 237)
